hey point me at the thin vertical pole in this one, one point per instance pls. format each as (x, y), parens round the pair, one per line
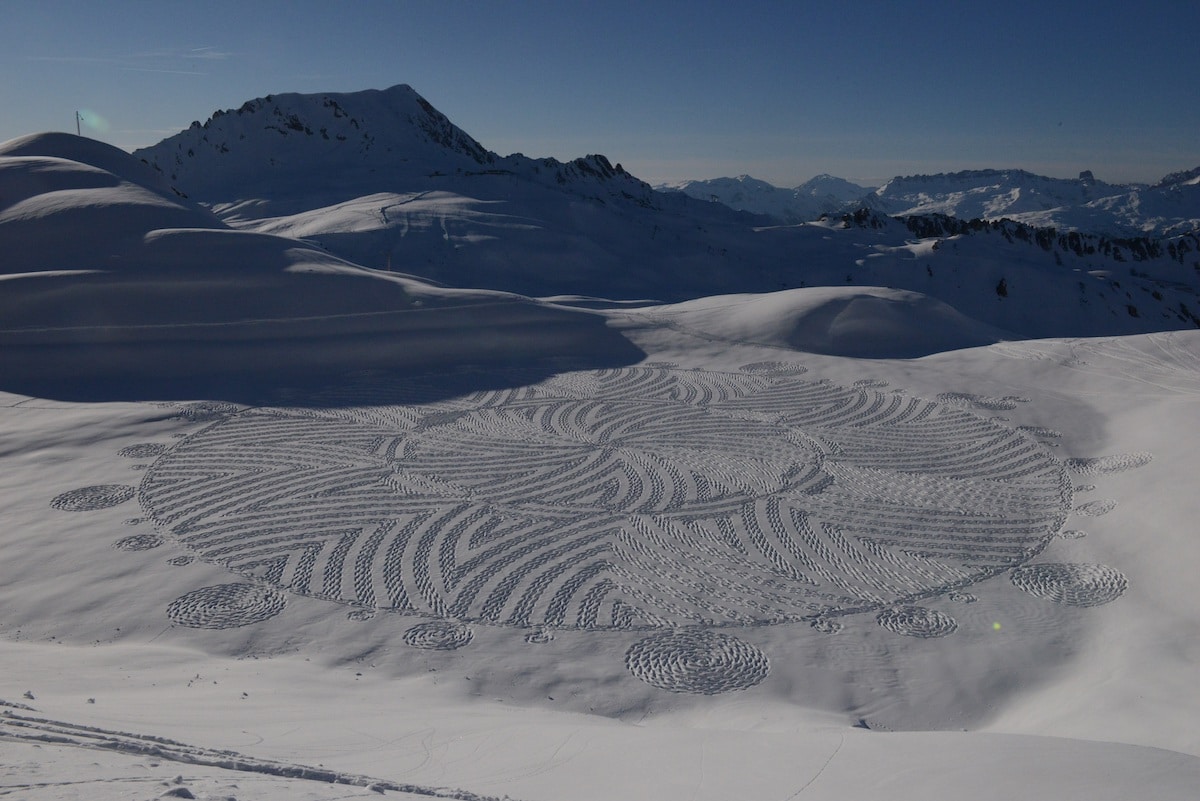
(77, 133)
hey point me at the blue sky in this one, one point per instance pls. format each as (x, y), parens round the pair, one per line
(672, 90)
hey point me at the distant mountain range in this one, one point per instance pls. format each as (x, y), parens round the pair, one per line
(1084, 204)
(823, 194)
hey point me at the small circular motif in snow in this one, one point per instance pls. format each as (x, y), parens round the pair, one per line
(697, 661)
(226, 606)
(438, 635)
(138, 542)
(917, 621)
(1071, 584)
(90, 499)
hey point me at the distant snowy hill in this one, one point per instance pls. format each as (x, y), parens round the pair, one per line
(824, 194)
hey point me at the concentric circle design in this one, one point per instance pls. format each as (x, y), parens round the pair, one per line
(438, 635)
(697, 661)
(1071, 584)
(138, 542)
(226, 606)
(90, 499)
(647, 497)
(917, 621)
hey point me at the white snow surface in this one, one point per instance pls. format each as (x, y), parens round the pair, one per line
(280, 526)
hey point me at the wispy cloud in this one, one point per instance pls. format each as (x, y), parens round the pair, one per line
(75, 59)
(168, 61)
(166, 72)
(209, 53)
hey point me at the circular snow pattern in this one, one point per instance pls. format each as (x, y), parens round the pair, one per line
(138, 542)
(226, 606)
(438, 635)
(90, 499)
(144, 450)
(646, 497)
(697, 661)
(917, 621)
(1071, 584)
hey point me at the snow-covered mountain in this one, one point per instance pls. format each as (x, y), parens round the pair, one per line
(1084, 204)
(823, 194)
(383, 179)
(291, 152)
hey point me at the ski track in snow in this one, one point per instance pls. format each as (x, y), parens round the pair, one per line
(20, 725)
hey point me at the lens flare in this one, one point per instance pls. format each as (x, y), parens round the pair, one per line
(93, 121)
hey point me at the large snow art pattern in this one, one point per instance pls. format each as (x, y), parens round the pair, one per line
(643, 498)
(647, 497)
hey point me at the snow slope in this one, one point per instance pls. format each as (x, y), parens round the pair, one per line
(138, 614)
(107, 274)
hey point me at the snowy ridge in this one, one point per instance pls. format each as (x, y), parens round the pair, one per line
(282, 152)
(1084, 204)
(1168, 208)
